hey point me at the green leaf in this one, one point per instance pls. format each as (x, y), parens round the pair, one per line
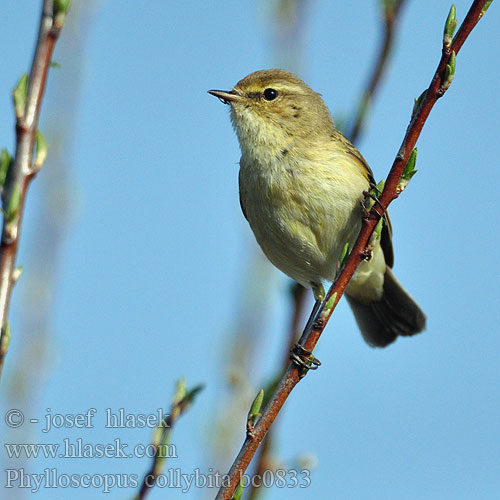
(55, 64)
(450, 26)
(183, 398)
(449, 74)
(238, 493)
(14, 204)
(254, 412)
(329, 305)
(5, 163)
(375, 192)
(409, 170)
(419, 101)
(344, 255)
(486, 6)
(180, 391)
(377, 232)
(41, 151)
(189, 398)
(380, 188)
(20, 93)
(61, 6)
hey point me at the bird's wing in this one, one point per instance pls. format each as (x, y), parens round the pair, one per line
(241, 200)
(351, 150)
(386, 237)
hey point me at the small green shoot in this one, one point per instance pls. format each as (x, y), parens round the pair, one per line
(41, 151)
(408, 172)
(14, 204)
(450, 27)
(238, 493)
(5, 163)
(449, 73)
(19, 94)
(254, 413)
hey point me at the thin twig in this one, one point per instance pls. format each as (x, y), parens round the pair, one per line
(263, 462)
(391, 12)
(391, 191)
(22, 170)
(161, 440)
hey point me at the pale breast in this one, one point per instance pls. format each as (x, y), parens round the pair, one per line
(302, 213)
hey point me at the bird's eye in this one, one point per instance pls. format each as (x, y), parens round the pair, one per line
(270, 94)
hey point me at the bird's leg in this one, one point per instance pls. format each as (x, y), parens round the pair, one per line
(312, 316)
(302, 357)
(319, 295)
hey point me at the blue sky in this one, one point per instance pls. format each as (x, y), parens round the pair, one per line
(135, 248)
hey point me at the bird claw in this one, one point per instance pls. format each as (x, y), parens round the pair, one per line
(304, 359)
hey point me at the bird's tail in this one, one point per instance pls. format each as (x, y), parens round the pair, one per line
(396, 313)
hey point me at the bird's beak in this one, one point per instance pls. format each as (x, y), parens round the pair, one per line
(226, 96)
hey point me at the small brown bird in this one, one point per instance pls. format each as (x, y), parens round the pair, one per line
(302, 186)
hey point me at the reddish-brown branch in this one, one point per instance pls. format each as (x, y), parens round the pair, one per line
(390, 21)
(21, 172)
(310, 338)
(264, 462)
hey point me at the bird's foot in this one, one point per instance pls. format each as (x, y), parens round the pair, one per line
(304, 359)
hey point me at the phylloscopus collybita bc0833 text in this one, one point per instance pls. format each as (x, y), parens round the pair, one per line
(302, 185)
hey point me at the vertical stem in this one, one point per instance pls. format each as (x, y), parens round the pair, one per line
(21, 172)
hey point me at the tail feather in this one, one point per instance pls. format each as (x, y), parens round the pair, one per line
(395, 314)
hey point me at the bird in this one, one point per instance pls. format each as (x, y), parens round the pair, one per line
(302, 186)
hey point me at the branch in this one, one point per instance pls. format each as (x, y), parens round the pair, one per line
(394, 185)
(391, 17)
(161, 439)
(298, 293)
(391, 11)
(28, 97)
